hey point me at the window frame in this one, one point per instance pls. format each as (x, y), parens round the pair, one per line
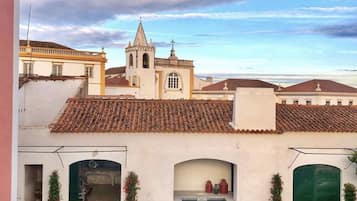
(173, 81)
(57, 69)
(89, 70)
(28, 68)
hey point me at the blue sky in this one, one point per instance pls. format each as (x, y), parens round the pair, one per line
(226, 36)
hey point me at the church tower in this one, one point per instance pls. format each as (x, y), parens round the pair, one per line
(140, 65)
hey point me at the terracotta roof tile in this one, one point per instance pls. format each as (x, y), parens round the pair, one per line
(232, 84)
(115, 70)
(44, 44)
(192, 116)
(325, 86)
(298, 118)
(116, 81)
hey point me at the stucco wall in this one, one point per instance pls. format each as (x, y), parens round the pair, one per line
(122, 91)
(40, 101)
(153, 157)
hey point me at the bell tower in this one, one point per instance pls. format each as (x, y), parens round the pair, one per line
(140, 69)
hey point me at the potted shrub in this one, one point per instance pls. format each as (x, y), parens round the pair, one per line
(277, 188)
(349, 192)
(131, 187)
(54, 187)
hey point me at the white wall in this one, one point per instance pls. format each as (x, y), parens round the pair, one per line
(193, 175)
(122, 91)
(153, 157)
(183, 92)
(318, 99)
(40, 101)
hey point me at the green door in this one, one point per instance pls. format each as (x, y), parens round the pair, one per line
(317, 183)
(74, 182)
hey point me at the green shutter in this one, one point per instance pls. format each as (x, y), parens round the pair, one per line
(316, 183)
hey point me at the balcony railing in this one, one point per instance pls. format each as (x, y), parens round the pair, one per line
(62, 52)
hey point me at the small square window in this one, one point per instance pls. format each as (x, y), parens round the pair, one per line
(328, 102)
(350, 102)
(283, 101)
(308, 102)
(339, 102)
(296, 102)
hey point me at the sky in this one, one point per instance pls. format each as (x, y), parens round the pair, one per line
(221, 36)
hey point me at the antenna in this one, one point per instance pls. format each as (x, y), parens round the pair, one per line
(28, 25)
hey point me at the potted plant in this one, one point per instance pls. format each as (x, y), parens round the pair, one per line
(349, 192)
(54, 187)
(277, 188)
(131, 187)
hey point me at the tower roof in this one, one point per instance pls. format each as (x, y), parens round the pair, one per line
(140, 38)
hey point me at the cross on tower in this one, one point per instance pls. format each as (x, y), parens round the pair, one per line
(172, 44)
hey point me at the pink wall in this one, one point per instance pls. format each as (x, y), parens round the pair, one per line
(6, 96)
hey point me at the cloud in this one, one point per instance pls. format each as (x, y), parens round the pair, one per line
(341, 30)
(93, 11)
(232, 15)
(77, 36)
(180, 44)
(343, 9)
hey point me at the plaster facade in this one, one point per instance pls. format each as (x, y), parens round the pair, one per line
(73, 62)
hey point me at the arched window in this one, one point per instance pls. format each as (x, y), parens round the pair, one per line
(145, 60)
(131, 60)
(173, 81)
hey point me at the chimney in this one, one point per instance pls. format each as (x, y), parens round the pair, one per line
(254, 109)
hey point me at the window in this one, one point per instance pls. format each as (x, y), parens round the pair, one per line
(56, 69)
(339, 102)
(173, 81)
(296, 102)
(89, 71)
(28, 68)
(350, 102)
(308, 102)
(145, 60)
(131, 61)
(328, 102)
(283, 101)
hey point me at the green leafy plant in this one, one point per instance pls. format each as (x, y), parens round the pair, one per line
(350, 192)
(353, 158)
(277, 188)
(54, 191)
(131, 187)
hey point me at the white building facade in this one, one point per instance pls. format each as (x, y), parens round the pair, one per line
(51, 59)
(175, 146)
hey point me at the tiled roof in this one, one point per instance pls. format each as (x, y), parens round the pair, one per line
(24, 80)
(324, 85)
(192, 116)
(316, 118)
(44, 44)
(116, 81)
(232, 84)
(115, 70)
